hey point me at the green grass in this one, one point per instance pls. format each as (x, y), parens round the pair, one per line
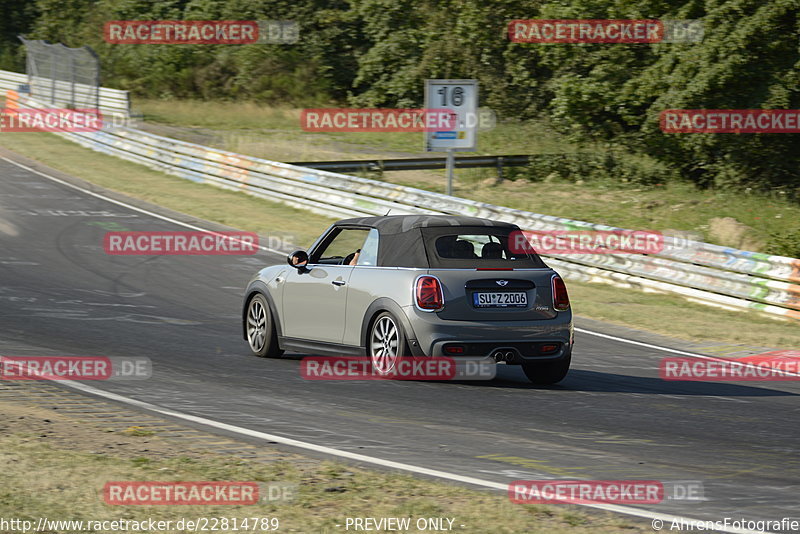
(274, 133)
(235, 122)
(60, 475)
(672, 206)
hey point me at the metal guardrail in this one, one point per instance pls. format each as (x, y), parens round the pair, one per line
(707, 273)
(112, 101)
(414, 164)
(12, 80)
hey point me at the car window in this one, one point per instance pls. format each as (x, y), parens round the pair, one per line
(369, 252)
(464, 247)
(480, 249)
(345, 242)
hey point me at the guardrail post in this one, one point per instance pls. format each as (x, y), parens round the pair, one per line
(499, 170)
(53, 64)
(72, 81)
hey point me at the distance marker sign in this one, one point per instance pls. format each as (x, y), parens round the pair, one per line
(460, 97)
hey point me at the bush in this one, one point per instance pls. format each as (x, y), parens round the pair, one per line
(611, 167)
(785, 243)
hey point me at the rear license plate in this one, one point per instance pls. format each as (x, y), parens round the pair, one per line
(517, 299)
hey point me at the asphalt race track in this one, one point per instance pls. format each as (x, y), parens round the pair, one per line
(612, 418)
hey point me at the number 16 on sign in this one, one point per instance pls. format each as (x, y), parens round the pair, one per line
(460, 97)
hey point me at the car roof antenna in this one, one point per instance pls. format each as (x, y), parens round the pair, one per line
(387, 213)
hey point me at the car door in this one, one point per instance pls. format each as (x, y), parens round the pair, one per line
(315, 298)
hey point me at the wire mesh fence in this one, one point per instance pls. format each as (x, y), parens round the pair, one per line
(63, 76)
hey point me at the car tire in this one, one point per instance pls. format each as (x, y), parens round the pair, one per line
(386, 342)
(260, 328)
(546, 373)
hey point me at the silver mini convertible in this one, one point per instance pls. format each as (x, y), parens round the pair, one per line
(414, 285)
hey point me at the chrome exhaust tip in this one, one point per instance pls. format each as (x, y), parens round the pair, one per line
(503, 357)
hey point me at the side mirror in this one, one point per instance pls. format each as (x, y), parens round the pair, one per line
(298, 259)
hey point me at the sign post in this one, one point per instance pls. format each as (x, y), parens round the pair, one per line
(451, 160)
(460, 97)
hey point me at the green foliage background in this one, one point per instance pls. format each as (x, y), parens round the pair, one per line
(378, 52)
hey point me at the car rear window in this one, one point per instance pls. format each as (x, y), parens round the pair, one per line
(475, 248)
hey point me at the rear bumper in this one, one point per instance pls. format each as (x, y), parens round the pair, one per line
(519, 341)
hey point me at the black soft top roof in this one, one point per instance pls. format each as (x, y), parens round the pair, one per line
(396, 224)
(403, 237)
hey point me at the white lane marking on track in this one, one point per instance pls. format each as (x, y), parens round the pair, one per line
(335, 452)
(129, 206)
(627, 510)
(674, 351)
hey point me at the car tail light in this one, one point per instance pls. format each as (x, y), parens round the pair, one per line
(454, 349)
(429, 293)
(560, 296)
(547, 349)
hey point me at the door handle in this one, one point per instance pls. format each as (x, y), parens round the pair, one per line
(338, 282)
